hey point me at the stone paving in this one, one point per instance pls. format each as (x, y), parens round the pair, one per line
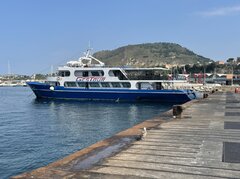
(204, 143)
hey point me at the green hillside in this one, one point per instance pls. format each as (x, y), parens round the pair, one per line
(150, 55)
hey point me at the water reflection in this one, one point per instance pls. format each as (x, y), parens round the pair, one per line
(35, 132)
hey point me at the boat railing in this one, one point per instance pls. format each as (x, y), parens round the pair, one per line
(144, 77)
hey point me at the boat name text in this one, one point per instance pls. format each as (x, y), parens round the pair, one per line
(90, 78)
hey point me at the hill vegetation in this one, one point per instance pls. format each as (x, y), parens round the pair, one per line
(150, 55)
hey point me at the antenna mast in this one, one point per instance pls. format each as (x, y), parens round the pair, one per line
(51, 70)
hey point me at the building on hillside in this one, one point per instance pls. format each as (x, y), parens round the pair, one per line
(169, 66)
(220, 62)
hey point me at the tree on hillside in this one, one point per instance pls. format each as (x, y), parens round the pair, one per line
(39, 77)
(238, 59)
(210, 68)
(230, 60)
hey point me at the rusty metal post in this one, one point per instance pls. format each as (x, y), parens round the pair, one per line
(205, 95)
(177, 111)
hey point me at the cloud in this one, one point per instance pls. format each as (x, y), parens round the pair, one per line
(224, 11)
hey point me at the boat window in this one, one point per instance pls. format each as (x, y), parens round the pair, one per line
(64, 73)
(85, 73)
(78, 73)
(145, 86)
(116, 85)
(70, 84)
(126, 85)
(105, 85)
(95, 73)
(82, 84)
(117, 73)
(53, 83)
(93, 84)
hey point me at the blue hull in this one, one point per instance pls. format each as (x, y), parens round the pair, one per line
(42, 90)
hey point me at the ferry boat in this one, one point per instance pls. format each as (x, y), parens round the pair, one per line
(89, 79)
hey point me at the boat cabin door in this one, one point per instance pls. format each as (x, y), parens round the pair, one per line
(159, 86)
(139, 86)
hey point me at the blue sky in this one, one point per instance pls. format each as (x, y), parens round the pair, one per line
(37, 34)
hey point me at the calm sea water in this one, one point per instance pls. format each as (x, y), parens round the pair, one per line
(34, 133)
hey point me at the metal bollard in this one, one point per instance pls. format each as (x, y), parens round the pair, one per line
(236, 90)
(177, 111)
(205, 95)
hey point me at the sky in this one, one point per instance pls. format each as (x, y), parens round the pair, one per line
(35, 35)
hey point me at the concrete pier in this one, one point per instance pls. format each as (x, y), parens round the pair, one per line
(203, 143)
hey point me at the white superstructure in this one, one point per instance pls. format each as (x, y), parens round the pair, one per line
(89, 72)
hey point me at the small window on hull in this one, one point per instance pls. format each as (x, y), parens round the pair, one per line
(126, 85)
(116, 85)
(70, 84)
(105, 85)
(53, 83)
(94, 85)
(82, 84)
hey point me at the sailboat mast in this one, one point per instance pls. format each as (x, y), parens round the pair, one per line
(9, 68)
(51, 70)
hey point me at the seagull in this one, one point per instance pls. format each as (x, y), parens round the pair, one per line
(144, 133)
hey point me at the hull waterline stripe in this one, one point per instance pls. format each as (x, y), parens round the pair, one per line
(110, 91)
